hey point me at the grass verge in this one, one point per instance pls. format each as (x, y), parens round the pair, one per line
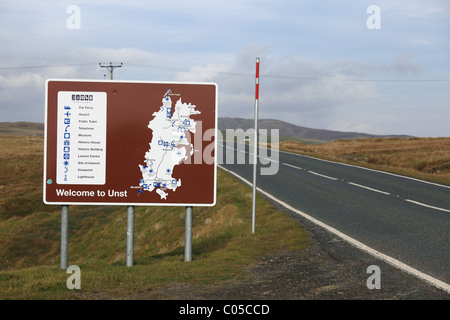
(222, 247)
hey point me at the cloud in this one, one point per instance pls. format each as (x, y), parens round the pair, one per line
(20, 96)
(334, 94)
(22, 85)
(21, 80)
(399, 65)
(415, 8)
(293, 89)
(402, 64)
(311, 55)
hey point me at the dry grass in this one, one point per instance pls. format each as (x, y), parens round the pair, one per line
(222, 247)
(423, 158)
(21, 160)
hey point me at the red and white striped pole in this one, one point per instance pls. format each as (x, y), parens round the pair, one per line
(257, 80)
(255, 145)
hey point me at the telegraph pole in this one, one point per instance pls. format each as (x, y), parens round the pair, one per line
(130, 209)
(111, 68)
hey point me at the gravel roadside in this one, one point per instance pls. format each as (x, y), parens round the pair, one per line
(329, 269)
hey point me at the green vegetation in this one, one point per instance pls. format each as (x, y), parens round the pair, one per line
(222, 246)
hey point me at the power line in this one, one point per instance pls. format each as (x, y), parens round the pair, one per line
(46, 66)
(356, 80)
(189, 69)
(111, 68)
(288, 76)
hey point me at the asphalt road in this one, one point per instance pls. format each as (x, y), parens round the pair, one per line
(403, 218)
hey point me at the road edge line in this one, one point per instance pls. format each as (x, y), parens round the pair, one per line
(394, 262)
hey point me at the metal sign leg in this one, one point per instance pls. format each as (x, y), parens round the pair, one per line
(188, 235)
(64, 236)
(130, 236)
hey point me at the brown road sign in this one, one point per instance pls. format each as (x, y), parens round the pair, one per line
(130, 143)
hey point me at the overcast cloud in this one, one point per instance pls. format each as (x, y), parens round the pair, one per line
(321, 66)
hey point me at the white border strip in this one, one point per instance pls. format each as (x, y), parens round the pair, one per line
(394, 262)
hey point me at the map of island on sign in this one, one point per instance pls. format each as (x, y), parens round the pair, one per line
(130, 143)
(168, 147)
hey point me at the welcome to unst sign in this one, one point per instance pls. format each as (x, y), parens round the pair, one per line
(130, 143)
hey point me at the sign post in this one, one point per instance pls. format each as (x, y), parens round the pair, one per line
(131, 143)
(64, 236)
(188, 234)
(130, 236)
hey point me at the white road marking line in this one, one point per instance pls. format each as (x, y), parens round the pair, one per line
(359, 185)
(427, 205)
(368, 169)
(290, 165)
(269, 159)
(368, 188)
(322, 175)
(394, 262)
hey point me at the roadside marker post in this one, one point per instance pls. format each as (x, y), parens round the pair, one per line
(255, 147)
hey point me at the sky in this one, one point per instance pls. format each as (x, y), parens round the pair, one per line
(375, 66)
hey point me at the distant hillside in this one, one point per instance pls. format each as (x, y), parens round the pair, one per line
(288, 130)
(21, 128)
